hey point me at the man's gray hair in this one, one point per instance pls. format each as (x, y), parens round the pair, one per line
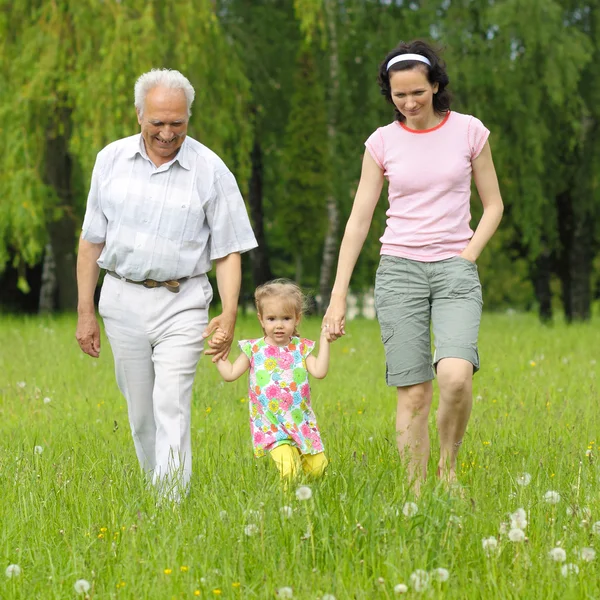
(167, 78)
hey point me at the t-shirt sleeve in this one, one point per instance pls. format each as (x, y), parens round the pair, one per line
(477, 135)
(306, 347)
(246, 347)
(375, 147)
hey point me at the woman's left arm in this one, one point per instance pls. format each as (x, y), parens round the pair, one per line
(486, 181)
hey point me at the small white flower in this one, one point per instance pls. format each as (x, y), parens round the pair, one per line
(47, 400)
(304, 493)
(523, 479)
(596, 528)
(38, 449)
(419, 580)
(251, 529)
(558, 554)
(516, 535)
(568, 569)
(552, 497)
(440, 574)
(587, 554)
(588, 452)
(223, 515)
(400, 588)
(285, 592)
(410, 509)
(21, 384)
(82, 586)
(286, 512)
(518, 519)
(13, 571)
(490, 545)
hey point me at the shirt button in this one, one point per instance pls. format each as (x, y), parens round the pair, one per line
(184, 206)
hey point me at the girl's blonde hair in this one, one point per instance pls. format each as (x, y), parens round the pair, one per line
(285, 289)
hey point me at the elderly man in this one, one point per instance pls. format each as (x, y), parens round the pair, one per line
(161, 207)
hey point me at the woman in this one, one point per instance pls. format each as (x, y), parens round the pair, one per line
(427, 271)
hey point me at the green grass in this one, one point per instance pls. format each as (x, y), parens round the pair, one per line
(79, 510)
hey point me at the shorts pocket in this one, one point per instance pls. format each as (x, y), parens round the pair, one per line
(463, 278)
(387, 331)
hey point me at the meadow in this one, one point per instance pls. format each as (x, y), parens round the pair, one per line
(74, 506)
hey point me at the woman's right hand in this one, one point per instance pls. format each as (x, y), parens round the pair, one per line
(335, 318)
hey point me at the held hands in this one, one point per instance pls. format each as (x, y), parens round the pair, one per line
(221, 328)
(334, 320)
(88, 334)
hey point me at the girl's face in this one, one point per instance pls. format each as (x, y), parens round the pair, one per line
(413, 96)
(278, 320)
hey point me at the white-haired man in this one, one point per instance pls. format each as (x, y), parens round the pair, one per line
(161, 208)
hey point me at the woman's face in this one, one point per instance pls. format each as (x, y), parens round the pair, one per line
(412, 95)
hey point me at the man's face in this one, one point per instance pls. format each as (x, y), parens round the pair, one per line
(164, 123)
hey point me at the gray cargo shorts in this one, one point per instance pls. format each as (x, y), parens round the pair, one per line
(409, 296)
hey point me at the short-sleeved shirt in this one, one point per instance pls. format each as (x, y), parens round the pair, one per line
(279, 396)
(429, 173)
(166, 222)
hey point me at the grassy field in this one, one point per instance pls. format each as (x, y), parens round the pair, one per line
(74, 505)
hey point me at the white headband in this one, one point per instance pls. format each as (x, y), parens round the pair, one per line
(402, 57)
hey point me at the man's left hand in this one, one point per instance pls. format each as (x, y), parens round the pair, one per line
(225, 322)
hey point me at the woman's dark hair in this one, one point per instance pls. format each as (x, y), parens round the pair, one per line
(436, 73)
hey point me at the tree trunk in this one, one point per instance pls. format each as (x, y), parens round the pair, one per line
(47, 302)
(259, 257)
(62, 231)
(540, 276)
(575, 262)
(330, 246)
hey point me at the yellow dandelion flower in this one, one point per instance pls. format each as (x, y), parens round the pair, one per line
(532, 363)
(103, 529)
(217, 592)
(208, 410)
(168, 571)
(235, 584)
(360, 412)
(100, 536)
(184, 569)
(242, 400)
(196, 592)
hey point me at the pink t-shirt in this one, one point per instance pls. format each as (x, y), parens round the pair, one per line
(429, 173)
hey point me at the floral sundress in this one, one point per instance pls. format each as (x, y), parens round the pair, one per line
(279, 396)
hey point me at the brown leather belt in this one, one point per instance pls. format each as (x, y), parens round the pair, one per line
(172, 284)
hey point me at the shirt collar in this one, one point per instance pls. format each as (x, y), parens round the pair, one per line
(136, 146)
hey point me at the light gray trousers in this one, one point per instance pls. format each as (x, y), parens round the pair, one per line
(156, 340)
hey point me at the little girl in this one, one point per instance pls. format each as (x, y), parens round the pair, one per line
(282, 421)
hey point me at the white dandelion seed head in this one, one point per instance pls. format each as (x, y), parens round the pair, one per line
(516, 535)
(47, 400)
(588, 452)
(254, 515)
(285, 592)
(490, 545)
(12, 571)
(251, 529)
(304, 493)
(286, 512)
(38, 449)
(410, 509)
(596, 528)
(21, 384)
(503, 529)
(587, 554)
(558, 554)
(552, 497)
(440, 574)
(419, 580)
(586, 512)
(82, 586)
(518, 519)
(523, 479)
(569, 569)
(400, 588)
(328, 597)
(569, 511)
(223, 515)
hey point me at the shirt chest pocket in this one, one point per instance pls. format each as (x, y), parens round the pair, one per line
(181, 216)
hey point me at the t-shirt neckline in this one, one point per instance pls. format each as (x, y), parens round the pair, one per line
(440, 124)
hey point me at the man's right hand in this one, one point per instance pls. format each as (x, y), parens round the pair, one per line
(88, 334)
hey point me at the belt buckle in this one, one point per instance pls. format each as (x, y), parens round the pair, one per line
(150, 283)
